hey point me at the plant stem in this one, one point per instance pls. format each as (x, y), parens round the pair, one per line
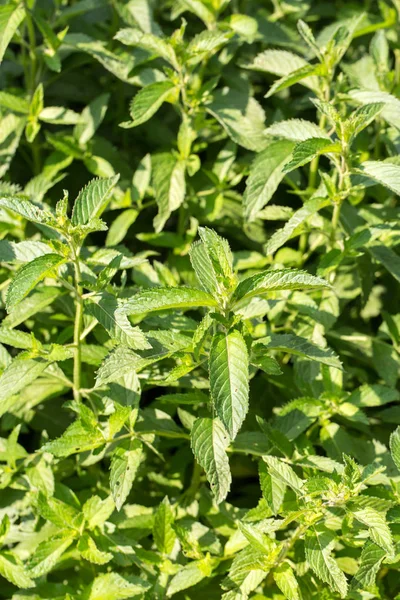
(77, 327)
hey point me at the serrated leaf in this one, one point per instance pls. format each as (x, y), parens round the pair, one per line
(281, 62)
(19, 374)
(229, 386)
(385, 173)
(78, 437)
(163, 532)
(284, 473)
(90, 552)
(112, 586)
(288, 342)
(104, 308)
(281, 236)
(11, 16)
(147, 102)
(25, 209)
(209, 442)
(241, 116)
(189, 575)
(273, 489)
(124, 465)
(362, 117)
(22, 252)
(296, 130)
(155, 299)
(276, 280)
(265, 175)
(169, 185)
(29, 276)
(378, 528)
(304, 152)
(394, 446)
(92, 200)
(370, 562)
(14, 572)
(152, 43)
(48, 553)
(294, 77)
(286, 581)
(319, 543)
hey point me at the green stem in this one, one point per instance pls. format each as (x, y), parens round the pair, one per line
(77, 328)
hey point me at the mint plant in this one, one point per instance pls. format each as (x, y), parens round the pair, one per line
(199, 267)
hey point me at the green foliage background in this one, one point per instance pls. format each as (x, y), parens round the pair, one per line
(199, 277)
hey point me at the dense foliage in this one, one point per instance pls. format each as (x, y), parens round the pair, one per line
(200, 339)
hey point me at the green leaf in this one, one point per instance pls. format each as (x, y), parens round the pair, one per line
(286, 581)
(394, 446)
(276, 280)
(281, 236)
(265, 175)
(296, 130)
(319, 543)
(90, 552)
(282, 63)
(212, 261)
(90, 119)
(155, 299)
(11, 17)
(189, 575)
(22, 252)
(209, 442)
(273, 489)
(78, 437)
(378, 528)
(104, 308)
(14, 572)
(48, 553)
(147, 102)
(153, 44)
(25, 209)
(119, 227)
(169, 186)
(30, 275)
(92, 200)
(288, 342)
(304, 152)
(124, 465)
(19, 374)
(391, 110)
(294, 77)
(112, 586)
(241, 116)
(163, 532)
(282, 472)
(383, 172)
(370, 562)
(229, 386)
(362, 117)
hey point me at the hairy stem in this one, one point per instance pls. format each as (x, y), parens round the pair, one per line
(77, 328)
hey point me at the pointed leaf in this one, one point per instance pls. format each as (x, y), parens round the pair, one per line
(92, 200)
(104, 308)
(163, 532)
(265, 175)
(318, 546)
(209, 442)
(155, 299)
(29, 276)
(228, 365)
(276, 280)
(124, 465)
